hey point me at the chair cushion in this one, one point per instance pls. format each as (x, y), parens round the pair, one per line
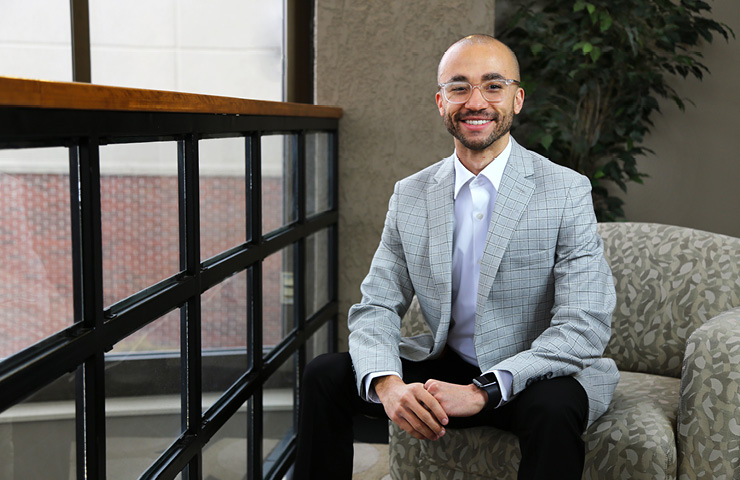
(634, 439)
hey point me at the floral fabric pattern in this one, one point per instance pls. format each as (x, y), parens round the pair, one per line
(669, 280)
(709, 406)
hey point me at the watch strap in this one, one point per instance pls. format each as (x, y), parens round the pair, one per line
(490, 385)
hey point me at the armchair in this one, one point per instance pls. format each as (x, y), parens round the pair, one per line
(676, 340)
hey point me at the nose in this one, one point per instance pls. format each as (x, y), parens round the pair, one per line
(476, 100)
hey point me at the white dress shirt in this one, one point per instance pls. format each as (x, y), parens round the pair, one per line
(475, 197)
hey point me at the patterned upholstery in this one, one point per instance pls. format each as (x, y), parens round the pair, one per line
(676, 340)
(669, 281)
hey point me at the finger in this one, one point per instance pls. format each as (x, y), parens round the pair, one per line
(429, 384)
(433, 406)
(406, 427)
(433, 387)
(409, 427)
(421, 428)
(421, 403)
(409, 422)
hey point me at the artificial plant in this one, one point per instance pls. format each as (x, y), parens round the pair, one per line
(593, 72)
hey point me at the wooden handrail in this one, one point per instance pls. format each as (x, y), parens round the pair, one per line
(18, 92)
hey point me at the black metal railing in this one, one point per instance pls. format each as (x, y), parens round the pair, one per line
(81, 347)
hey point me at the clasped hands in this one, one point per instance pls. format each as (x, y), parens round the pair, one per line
(423, 410)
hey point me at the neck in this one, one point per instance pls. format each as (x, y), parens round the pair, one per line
(477, 160)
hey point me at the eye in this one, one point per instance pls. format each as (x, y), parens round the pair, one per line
(493, 86)
(458, 88)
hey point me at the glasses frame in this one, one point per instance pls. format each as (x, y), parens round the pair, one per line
(506, 81)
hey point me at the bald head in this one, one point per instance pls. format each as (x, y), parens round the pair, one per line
(508, 57)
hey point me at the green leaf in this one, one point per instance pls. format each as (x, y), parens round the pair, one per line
(606, 21)
(595, 53)
(546, 141)
(599, 174)
(591, 8)
(587, 47)
(536, 48)
(579, 5)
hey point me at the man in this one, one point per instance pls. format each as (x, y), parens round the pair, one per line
(499, 245)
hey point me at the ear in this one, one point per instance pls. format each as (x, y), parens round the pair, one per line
(440, 104)
(518, 100)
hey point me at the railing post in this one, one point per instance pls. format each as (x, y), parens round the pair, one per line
(190, 314)
(87, 253)
(254, 301)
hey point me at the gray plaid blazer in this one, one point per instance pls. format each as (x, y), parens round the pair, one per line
(545, 296)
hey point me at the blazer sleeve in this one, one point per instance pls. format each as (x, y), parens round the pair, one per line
(387, 291)
(584, 299)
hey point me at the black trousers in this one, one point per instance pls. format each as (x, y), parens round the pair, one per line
(548, 417)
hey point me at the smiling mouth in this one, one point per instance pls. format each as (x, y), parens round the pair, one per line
(477, 122)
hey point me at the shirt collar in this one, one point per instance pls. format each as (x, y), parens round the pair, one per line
(494, 171)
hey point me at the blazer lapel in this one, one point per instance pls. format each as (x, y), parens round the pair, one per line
(441, 215)
(512, 198)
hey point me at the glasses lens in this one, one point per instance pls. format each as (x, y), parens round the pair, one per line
(457, 92)
(493, 90)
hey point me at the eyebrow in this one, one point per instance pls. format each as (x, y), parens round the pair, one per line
(487, 76)
(493, 76)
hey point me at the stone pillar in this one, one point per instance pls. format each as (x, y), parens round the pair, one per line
(377, 59)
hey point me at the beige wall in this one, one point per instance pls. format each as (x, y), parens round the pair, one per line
(366, 49)
(695, 171)
(377, 59)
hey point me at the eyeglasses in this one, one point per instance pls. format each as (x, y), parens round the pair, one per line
(494, 91)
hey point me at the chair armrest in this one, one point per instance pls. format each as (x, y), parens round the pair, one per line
(709, 408)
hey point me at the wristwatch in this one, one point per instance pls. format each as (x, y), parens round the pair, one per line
(489, 383)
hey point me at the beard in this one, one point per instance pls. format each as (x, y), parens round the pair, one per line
(503, 126)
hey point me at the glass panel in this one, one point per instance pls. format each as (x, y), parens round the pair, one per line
(317, 272)
(142, 405)
(190, 46)
(162, 335)
(223, 211)
(35, 40)
(225, 455)
(277, 297)
(37, 436)
(139, 216)
(224, 336)
(36, 292)
(318, 343)
(278, 181)
(277, 415)
(318, 172)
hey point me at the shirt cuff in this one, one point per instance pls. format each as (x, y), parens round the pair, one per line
(505, 379)
(370, 395)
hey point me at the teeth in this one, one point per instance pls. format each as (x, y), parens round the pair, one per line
(476, 122)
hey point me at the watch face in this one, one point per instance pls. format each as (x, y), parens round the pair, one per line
(487, 379)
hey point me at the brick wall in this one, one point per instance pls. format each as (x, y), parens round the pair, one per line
(140, 247)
